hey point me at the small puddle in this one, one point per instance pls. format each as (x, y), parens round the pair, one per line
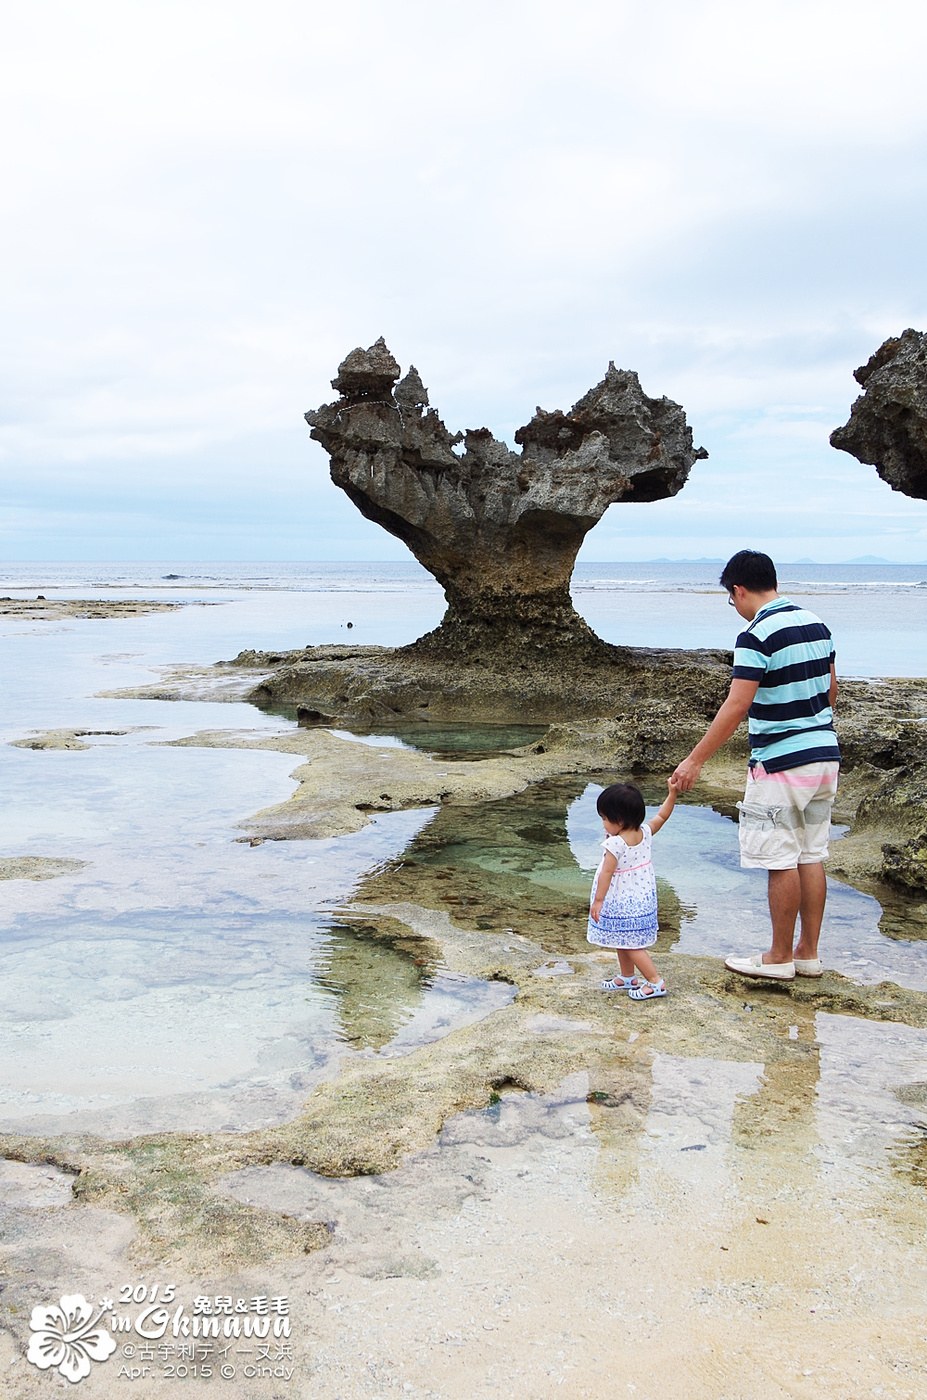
(445, 739)
(453, 742)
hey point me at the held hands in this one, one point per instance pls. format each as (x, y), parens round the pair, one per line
(685, 776)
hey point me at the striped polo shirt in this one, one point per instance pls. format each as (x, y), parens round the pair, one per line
(789, 652)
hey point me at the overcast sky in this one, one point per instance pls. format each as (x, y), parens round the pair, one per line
(209, 204)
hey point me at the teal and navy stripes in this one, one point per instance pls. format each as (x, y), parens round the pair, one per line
(789, 652)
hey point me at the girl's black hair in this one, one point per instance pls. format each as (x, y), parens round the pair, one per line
(622, 804)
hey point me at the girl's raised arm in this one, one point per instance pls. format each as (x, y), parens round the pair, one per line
(666, 811)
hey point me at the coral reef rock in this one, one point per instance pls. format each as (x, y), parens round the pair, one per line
(499, 529)
(888, 422)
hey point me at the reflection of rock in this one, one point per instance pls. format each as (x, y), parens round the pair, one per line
(500, 530)
(888, 422)
(505, 865)
(377, 979)
(497, 865)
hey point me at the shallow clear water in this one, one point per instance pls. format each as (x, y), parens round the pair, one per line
(526, 863)
(176, 1019)
(184, 978)
(181, 978)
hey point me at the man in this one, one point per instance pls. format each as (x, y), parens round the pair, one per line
(784, 679)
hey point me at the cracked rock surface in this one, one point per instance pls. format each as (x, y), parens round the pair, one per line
(888, 422)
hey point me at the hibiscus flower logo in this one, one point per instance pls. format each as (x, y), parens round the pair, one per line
(69, 1338)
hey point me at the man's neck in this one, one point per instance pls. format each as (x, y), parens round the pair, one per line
(761, 601)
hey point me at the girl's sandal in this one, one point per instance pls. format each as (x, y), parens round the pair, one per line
(621, 984)
(648, 991)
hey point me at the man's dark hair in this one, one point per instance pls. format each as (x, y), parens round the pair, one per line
(623, 804)
(751, 570)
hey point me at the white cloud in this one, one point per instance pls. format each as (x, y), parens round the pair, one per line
(209, 204)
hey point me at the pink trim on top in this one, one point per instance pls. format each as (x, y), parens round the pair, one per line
(795, 779)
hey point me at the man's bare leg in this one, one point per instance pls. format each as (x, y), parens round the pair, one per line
(785, 899)
(813, 897)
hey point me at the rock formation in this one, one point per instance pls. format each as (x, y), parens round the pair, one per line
(500, 530)
(888, 422)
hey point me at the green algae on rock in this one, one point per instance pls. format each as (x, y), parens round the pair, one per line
(378, 1111)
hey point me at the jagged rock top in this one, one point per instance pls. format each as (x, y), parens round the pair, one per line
(888, 422)
(366, 374)
(499, 529)
(636, 447)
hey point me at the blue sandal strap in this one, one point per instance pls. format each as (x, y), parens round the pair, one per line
(641, 993)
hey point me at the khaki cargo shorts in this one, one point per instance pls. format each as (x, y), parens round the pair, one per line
(785, 817)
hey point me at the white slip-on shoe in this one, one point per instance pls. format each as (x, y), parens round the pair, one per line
(755, 967)
(809, 967)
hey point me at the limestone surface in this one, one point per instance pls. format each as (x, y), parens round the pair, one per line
(888, 422)
(499, 529)
(42, 609)
(38, 867)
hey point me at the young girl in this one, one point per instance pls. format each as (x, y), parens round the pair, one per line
(623, 914)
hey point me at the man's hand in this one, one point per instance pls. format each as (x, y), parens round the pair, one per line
(732, 712)
(686, 775)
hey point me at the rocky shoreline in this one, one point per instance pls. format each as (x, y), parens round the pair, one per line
(663, 700)
(226, 1210)
(41, 609)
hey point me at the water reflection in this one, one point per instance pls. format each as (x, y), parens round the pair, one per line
(509, 864)
(688, 1129)
(872, 1094)
(153, 1022)
(378, 978)
(526, 863)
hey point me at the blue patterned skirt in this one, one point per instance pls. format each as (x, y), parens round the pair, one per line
(630, 924)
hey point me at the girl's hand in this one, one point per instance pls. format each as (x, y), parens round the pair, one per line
(596, 910)
(672, 783)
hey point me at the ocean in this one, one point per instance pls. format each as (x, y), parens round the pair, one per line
(875, 611)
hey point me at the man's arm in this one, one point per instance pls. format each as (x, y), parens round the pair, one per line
(833, 685)
(731, 714)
